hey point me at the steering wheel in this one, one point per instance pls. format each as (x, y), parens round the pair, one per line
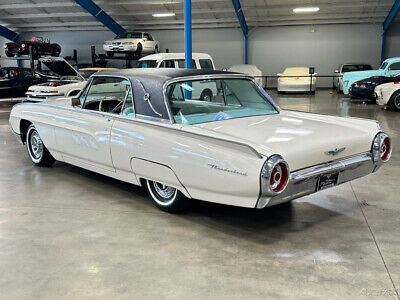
(110, 98)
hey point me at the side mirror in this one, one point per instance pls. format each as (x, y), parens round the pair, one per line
(337, 71)
(75, 102)
(145, 38)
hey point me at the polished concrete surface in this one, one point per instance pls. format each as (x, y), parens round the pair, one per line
(69, 233)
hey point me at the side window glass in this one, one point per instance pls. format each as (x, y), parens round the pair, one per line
(181, 64)
(167, 64)
(206, 64)
(395, 66)
(106, 94)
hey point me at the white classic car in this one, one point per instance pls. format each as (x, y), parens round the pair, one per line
(388, 94)
(132, 43)
(296, 79)
(144, 126)
(69, 85)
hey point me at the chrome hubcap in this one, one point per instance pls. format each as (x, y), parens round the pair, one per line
(164, 191)
(397, 101)
(36, 145)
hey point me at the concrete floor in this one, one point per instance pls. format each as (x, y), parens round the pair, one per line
(69, 233)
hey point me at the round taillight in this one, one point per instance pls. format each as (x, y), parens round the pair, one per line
(381, 148)
(386, 149)
(274, 175)
(279, 177)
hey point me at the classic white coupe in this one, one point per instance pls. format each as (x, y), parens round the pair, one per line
(388, 94)
(144, 126)
(296, 80)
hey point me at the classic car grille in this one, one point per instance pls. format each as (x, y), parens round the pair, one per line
(116, 43)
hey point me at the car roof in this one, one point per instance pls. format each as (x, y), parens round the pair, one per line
(393, 59)
(160, 56)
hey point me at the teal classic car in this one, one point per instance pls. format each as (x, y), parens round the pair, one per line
(390, 67)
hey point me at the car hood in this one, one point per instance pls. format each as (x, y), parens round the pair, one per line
(303, 139)
(60, 66)
(50, 86)
(350, 77)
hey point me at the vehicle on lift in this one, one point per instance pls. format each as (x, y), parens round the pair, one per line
(15, 81)
(349, 67)
(40, 46)
(364, 89)
(296, 80)
(388, 94)
(176, 60)
(389, 68)
(131, 43)
(144, 126)
(70, 83)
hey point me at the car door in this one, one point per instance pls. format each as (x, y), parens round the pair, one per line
(149, 43)
(83, 132)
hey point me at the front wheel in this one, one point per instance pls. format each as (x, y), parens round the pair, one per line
(139, 51)
(37, 151)
(394, 101)
(166, 198)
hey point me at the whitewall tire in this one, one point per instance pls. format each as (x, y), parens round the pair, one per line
(166, 198)
(37, 151)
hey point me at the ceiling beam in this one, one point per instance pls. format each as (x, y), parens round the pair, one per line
(8, 34)
(101, 15)
(394, 11)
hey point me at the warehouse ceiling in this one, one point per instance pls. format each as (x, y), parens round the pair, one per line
(61, 15)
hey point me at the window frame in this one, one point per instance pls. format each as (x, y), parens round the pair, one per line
(89, 85)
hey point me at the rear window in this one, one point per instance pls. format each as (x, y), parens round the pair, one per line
(206, 64)
(351, 68)
(169, 63)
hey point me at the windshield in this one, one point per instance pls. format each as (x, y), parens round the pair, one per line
(129, 35)
(147, 64)
(202, 101)
(383, 66)
(351, 68)
(87, 73)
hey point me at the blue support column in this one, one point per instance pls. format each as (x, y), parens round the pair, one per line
(8, 34)
(101, 16)
(394, 11)
(243, 25)
(188, 34)
(383, 50)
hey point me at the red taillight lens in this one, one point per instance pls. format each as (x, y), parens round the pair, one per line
(396, 82)
(279, 177)
(54, 84)
(386, 149)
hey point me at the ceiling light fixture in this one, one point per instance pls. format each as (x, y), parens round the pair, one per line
(160, 15)
(305, 9)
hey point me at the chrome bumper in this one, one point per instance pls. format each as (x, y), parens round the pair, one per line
(304, 182)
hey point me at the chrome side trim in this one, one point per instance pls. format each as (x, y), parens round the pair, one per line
(304, 182)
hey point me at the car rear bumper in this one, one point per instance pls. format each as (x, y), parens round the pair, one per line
(305, 181)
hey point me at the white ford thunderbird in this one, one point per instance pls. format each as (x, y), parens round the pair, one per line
(145, 127)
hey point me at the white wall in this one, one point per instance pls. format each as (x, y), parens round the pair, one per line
(270, 48)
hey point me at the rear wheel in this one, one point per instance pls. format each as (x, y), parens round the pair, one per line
(55, 51)
(166, 198)
(37, 151)
(394, 101)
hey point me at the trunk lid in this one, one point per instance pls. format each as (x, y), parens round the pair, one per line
(303, 139)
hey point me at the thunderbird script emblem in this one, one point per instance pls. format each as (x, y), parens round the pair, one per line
(335, 151)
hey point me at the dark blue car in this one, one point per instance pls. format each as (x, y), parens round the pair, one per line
(364, 89)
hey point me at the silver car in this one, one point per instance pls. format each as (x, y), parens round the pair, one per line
(349, 67)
